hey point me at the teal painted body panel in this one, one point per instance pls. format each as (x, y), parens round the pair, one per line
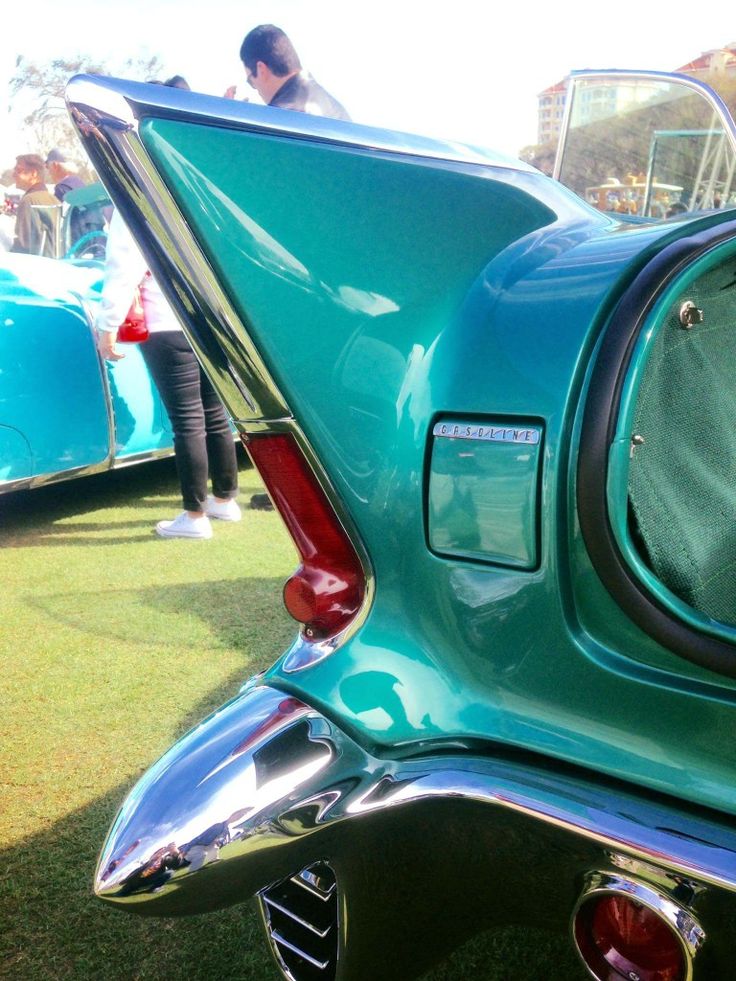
(58, 402)
(15, 454)
(141, 421)
(386, 292)
(51, 386)
(483, 491)
(424, 348)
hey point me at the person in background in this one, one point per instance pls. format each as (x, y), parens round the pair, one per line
(274, 70)
(63, 173)
(203, 440)
(37, 220)
(178, 82)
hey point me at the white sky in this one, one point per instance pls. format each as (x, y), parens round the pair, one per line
(465, 70)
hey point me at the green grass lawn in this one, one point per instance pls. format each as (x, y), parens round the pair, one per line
(114, 643)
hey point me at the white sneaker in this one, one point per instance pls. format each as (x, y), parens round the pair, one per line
(224, 510)
(185, 527)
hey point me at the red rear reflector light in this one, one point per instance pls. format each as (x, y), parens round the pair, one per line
(327, 590)
(620, 938)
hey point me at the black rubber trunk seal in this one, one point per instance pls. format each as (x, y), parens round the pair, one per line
(597, 433)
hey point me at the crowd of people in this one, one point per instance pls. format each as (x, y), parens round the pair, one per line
(203, 440)
(38, 213)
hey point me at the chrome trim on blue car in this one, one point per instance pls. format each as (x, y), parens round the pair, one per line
(110, 462)
(145, 456)
(57, 477)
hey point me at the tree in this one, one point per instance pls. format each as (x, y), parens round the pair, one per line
(722, 83)
(541, 156)
(37, 92)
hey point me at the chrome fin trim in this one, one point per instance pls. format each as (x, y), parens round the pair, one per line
(107, 123)
(127, 102)
(106, 113)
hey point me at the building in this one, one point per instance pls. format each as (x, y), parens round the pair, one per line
(718, 60)
(551, 108)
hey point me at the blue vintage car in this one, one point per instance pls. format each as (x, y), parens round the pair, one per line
(498, 417)
(63, 411)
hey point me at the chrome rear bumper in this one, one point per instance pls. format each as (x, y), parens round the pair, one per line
(426, 851)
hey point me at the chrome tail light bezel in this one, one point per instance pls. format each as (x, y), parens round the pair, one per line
(677, 917)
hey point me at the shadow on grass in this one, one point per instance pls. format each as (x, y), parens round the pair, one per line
(128, 487)
(226, 613)
(115, 488)
(54, 928)
(51, 925)
(90, 534)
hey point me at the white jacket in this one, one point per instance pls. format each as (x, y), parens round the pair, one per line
(125, 268)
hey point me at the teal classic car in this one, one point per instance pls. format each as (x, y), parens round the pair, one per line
(498, 423)
(63, 412)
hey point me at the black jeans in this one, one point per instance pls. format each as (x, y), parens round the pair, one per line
(203, 440)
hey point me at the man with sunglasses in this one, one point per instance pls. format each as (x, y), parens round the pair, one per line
(273, 69)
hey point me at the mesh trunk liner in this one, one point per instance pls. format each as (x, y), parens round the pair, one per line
(682, 482)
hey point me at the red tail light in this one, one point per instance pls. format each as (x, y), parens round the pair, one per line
(620, 938)
(327, 589)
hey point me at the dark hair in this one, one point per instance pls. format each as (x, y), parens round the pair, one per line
(31, 161)
(270, 45)
(178, 82)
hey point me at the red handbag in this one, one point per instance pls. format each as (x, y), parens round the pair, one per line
(133, 329)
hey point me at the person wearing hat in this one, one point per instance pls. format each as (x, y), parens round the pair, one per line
(38, 216)
(63, 172)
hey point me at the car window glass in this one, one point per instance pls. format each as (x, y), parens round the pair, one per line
(647, 147)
